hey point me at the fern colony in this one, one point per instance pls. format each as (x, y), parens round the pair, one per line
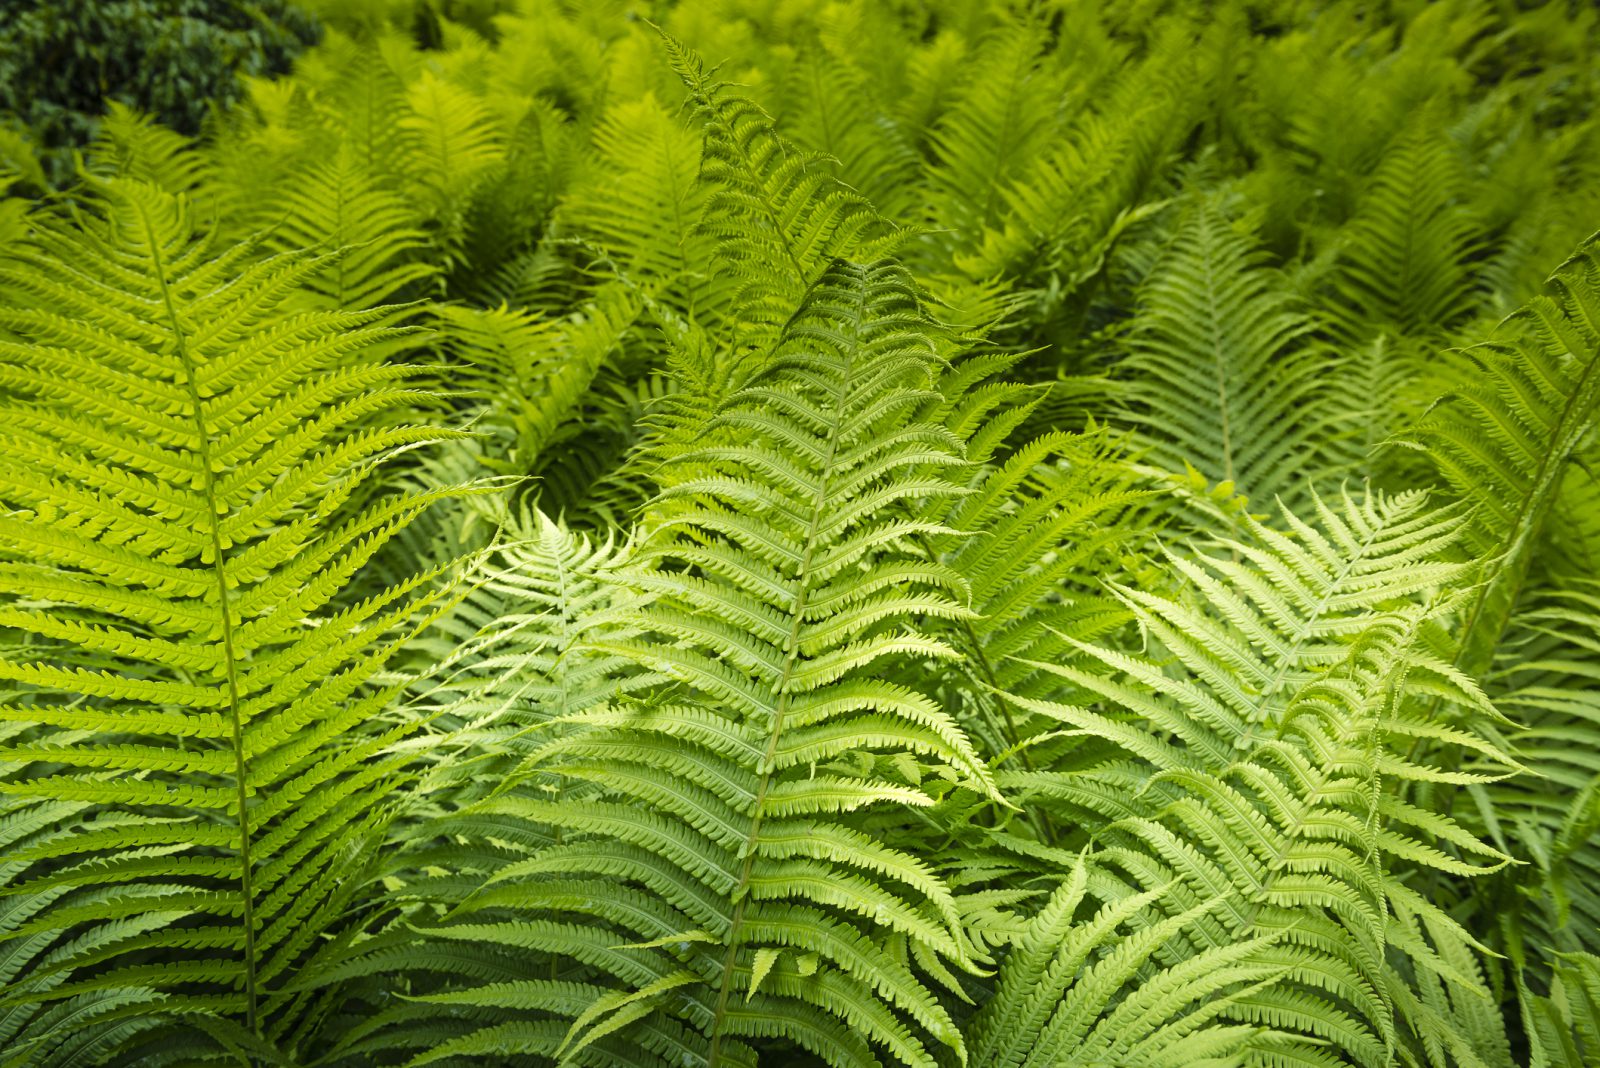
(844, 533)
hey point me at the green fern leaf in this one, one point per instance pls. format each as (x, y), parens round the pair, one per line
(194, 733)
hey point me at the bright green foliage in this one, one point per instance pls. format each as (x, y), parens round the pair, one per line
(750, 860)
(1220, 360)
(711, 534)
(194, 747)
(1260, 770)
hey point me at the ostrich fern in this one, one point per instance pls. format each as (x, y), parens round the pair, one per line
(940, 534)
(747, 904)
(196, 760)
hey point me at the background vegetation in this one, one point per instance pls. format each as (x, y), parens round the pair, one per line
(62, 60)
(849, 533)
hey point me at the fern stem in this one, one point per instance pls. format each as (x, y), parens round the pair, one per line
(1530, 518)
(1047, 829)
(791, 657)
(219, 570)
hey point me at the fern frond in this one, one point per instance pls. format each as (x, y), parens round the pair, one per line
(1565, 1026)
(1031, 532)
(134, 146)
(451, 142)
(338, 206)
(778, 216)
(1062, 998)
(1404, 258)
(531, 372)
(1504, 438)
(648, 215)
(1067, 205)
(1221, 373)
(197, 700)
(777, 593)
(1000, 120)
(1264, 741)
(833, 111)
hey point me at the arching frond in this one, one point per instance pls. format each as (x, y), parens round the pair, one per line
(1404, 257)
(755, 909)
(648, 215)
(1504, 437)
(1222, 374)
(779, 217)
(1257, 750)
(197, 764)
(1083, 986)
(451, 143)
(833, 111)
(1000, 120)
(131, 145)
(1027, 540)
(1068, 204)
(337, 206)
(530, 372)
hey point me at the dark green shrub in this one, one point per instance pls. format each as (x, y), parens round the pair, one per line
(61, 60)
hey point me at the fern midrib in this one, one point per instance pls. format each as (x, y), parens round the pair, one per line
(1283, 666)
(1008, 729)
(791, 658)
(559, 666)
(1003, 142)
(1530, 510)
(1291, 836)
(677, 197)
(753, 175)
(220, 571)
(1046, 826)
(1407, 268)
(341, 212)
(1219, 358)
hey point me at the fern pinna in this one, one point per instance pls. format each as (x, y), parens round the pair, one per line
(196, 755)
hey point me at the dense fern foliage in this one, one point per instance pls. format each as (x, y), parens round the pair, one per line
(726, 533)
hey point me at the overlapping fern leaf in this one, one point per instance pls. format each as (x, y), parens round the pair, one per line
(337, 205)
(1226, 380)
(1071, 201)
(1255, 756)
(1512, 440)
(1404, 263)
(647, 217)
(1548, 668)
(1001, 120)
(1565, 1026)
(747, 908)
(779, 217)
(1032, 540)
(523, 639)
(196, 762)
(528, 373)
(776, 219)
(1085, 986)
(513, 657)
(1505, 437)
